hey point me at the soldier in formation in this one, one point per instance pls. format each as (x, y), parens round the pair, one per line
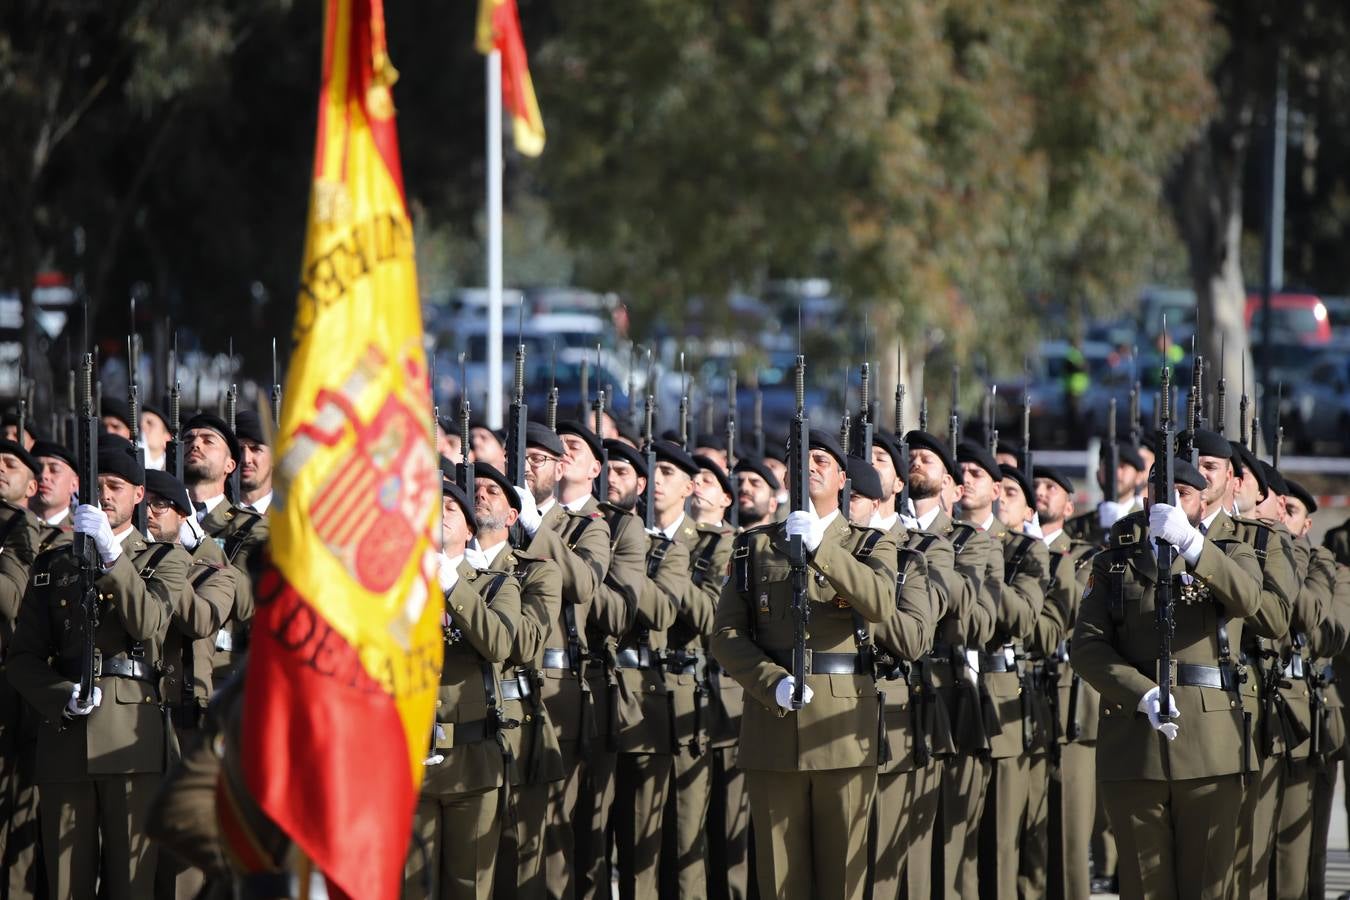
(620, 701)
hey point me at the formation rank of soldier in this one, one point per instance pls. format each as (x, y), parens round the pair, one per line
(862, 663)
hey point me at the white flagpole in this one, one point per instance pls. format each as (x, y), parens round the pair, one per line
(494, 238)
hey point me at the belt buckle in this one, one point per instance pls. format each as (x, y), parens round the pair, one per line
(224, 641)
(1009, 655)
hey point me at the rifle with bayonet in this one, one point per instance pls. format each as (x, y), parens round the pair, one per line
(1026, 462)
(845, 443)
(275, 396)
(584, 395)
(551, 410)
(923, 413)
(649, 452)
(1110, 485)
(464, 469)
(1277, 451)
(86, 552)
(1164, 491)
(1244, 405)
(173, 447)
(231, 408)
(1221, 393)
(902, 506)
(954, 421)
(733, 511)
(601, 483)
(798, 478)
(134, 412)
(684, 406)
(516, 421)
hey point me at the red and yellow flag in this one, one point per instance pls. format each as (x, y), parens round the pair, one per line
(346, 647)
(499, 29)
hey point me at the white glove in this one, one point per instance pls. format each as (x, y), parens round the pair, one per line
(190, 533)
(93, 521)
(1169, 523)
(809, 525)
(476, 558)
(782, 692)
(529, 518)
(75, 708)
(1150, 705)
(449, 573)
(436, 757)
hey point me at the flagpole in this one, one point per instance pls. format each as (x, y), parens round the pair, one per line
(494, 238)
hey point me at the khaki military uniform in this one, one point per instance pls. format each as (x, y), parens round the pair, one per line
(97, 773)
(460, 808)
(611, 615)
(1004, 668)
(200, 611)
(1330, 643)
(684, 851)
(1173, 805)
(579, 544)
(1337, 540)
(242, 535)
(1055, 860)
(21, 538)
(907, 777)
(534, 744)
(728, 843)
(811, 773)
(645, 740)
(1263, 703)
(973, 593)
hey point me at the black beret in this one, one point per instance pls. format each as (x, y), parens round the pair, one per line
(629, 433)
(866, 482)
(1184, 473)
(673, 453)
(121, 461)
(540, 435)
(618, 450)
(1302, 494)
(775, 449)
(51, 448)
(454, 491)
(112, 407)
(448, 425)
(1008, 448)
(711, 439)
(572, 427)
(157, 413)
(922, 440)
(1054, 475)
(1274, 480)
(1128, 454)
(248, 426)
(820, 439)
(971, 452)
(24, 456)
(756, 466)
(1245, 461)
(11, 417)
(886, 441)
(165, 485)
(1148, 440)
(483, 470)
(708, 464)
(16, 449)
(214, 423)
(1209, 443)
(1016, 474)
(670, 434)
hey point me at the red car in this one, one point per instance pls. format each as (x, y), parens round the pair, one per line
(1295, 319)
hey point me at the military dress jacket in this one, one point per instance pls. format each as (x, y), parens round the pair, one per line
(1076, 702)
(645, 716)
(126, 733)
(1024, 568)
(972, 603)
(482, 615)
(534, 745)
(709, 549)
(755, 636)
(901, 639)
(242, 535)
(1116, 649)
(19, 530)
(200, 611)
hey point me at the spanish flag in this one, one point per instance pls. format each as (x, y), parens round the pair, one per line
(499, 29)
(346, 647)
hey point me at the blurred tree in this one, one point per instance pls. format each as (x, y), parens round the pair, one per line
(937, 160)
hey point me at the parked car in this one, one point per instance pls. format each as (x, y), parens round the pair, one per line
(1294, 319)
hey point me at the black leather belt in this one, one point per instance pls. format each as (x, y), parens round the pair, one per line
(556, 658)
(117, 666)
(996, 662)
(683, 662)
(515, 688)
(635, 658)
(821, 663)
(1190, 675)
